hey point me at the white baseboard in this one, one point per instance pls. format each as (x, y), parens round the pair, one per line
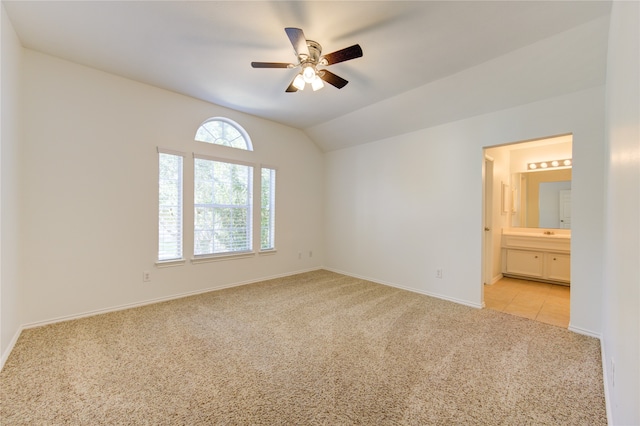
(605, 381)
(158, 300)
(14, 340)
(496, 279)
(12, 343)
(413, 290)
(605, 369)
(605, 374)
(584, 331)
(36, 324)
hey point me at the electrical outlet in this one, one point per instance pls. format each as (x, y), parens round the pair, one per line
(438, 273)
(310, 253)
(299, 255)
(146, 276)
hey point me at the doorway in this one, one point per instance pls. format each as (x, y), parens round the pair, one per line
(504, 207)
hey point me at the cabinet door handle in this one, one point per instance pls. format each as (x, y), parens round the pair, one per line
(535, 257)
(554, 258)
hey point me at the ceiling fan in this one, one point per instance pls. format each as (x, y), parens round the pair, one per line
(310, 56)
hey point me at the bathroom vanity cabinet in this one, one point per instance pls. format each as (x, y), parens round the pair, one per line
(537, 257)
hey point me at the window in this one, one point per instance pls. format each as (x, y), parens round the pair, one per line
(170, 206)
(233, 200)
(222, 131)
(267, 210)
(222, 207)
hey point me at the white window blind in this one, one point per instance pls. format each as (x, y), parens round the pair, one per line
(170, 206)
(222, 207)
(267, 211)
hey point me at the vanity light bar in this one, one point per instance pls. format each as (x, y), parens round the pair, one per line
(553, 164)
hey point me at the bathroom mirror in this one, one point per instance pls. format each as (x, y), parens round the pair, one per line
(541, 199)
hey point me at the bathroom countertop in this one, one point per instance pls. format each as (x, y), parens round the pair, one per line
(536, 234)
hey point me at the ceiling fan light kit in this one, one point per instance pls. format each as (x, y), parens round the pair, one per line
(317, 83)
(298, 82)
(309, 54)
(308, 73)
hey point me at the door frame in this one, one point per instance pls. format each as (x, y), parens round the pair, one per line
(487, 220)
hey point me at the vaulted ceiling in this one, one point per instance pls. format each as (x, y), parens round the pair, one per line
(424, 63)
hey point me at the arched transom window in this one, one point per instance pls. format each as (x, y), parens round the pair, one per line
(225, 132)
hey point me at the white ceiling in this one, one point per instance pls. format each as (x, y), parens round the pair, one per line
(204, 49)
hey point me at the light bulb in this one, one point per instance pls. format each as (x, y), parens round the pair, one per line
(555, 163)
(317, 83)
(543, 165)
(298, 82)
(567, 162)
(309, 74)
(532, 166)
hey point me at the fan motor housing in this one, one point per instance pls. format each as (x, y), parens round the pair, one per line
(315, 50)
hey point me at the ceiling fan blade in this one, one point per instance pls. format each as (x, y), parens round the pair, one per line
(298, 41)
(342, 55)
(291, 87)
(271, 65)
(332, 79)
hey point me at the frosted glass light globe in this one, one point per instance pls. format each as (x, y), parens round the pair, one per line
(309, 74)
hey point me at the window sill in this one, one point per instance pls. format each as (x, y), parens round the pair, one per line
(170, 263)
(221, 257)
(267, 252)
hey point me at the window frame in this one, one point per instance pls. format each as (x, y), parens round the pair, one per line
(229, 122)
(272, 209)
(181, 258)
(251, 210)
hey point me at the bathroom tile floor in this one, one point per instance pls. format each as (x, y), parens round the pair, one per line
(548, 303)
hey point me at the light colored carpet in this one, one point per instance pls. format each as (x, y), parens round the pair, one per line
(315, 348)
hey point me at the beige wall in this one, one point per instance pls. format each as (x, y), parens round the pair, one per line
(400, 208)
(10, 191)
(621, 290)
(90, 191)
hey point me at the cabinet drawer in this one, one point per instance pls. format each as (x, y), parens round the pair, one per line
(559, 267)
(524, 262)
